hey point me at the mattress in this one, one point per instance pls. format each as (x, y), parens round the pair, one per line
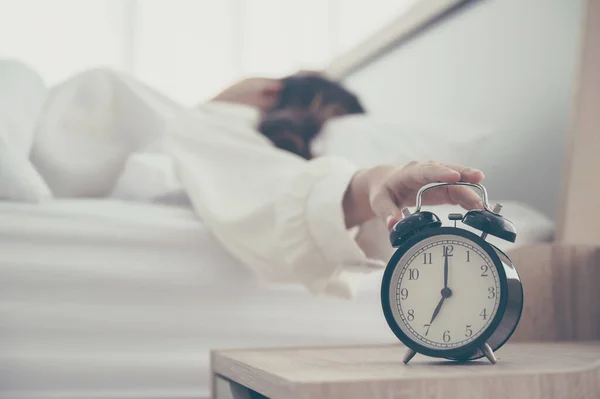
(110, 299)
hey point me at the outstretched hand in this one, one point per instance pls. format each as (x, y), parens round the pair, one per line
(384, 190)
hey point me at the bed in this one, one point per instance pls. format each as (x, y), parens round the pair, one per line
(115, 299)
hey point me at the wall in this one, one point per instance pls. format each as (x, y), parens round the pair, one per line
(505, 66)
(189, 50)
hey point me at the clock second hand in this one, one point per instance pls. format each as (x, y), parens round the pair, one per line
(446, 292)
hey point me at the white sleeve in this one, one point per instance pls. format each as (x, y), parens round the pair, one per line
(279, 214)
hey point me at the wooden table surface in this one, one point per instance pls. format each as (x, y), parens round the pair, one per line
(524, 370)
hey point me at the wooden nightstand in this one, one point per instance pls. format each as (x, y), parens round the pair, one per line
(524, 370)
(554, 353)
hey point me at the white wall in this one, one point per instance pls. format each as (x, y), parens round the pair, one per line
(187, 49)
(504, 65)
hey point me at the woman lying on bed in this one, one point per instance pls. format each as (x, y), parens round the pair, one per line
(287, 215)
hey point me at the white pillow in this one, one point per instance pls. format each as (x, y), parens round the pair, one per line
(89, 127)
(368, 141)
(22, 94)
(19, 180)
(149, 175)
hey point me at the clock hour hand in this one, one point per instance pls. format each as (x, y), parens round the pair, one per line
(437, 309)
(446, 293)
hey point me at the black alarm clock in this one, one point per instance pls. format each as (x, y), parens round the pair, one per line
(447, 292)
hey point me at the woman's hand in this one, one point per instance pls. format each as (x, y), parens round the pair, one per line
(384, 190)
(261, 93)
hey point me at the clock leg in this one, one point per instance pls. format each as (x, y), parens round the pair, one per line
(489, 353)
(408, 355)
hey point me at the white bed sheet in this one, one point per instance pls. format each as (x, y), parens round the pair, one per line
(109, 299)
(116, 300)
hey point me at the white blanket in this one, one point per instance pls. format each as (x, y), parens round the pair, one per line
(119, 300)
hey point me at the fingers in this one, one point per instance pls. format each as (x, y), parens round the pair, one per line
(417, 174)
(385, 206)
(399, 186)
(465, 197)
(467, 174)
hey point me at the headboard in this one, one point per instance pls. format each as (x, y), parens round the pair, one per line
(507, 67)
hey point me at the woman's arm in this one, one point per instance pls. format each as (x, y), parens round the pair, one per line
(282, 216)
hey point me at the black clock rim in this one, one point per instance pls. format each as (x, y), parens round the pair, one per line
(469, 349)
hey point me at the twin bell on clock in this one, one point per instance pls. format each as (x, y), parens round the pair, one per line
(447, 292)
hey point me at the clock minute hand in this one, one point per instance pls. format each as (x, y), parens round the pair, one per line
(446, 270)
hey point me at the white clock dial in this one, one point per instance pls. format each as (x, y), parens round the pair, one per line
(463, 310)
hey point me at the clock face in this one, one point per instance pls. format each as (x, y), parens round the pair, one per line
(444, 292)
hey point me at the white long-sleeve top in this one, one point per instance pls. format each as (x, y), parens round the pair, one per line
(280, 214)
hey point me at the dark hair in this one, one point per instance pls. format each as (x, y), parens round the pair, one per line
(305, 103)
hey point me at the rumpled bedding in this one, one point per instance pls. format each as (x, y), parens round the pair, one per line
(90, 136)
(98, 136)
(22, 93)
(101, 134)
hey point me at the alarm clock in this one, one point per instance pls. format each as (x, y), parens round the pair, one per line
(446, 292)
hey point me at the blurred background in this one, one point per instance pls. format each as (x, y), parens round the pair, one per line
(187, 49)
(505, 69)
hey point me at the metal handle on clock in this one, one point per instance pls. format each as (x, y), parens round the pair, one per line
(484, 196)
